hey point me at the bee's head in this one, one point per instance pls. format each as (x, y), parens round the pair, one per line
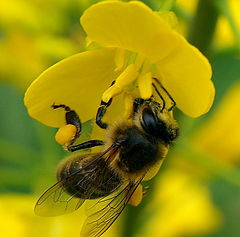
(157, 122)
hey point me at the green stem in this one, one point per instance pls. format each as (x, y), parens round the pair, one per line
(203, 25)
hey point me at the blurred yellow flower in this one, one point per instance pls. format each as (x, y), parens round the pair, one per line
(214, 148)
(224, 35)
(188, 6)
(181, 206)
(19, 61)
(224, 31)
(220, 135)
(30, 39)
(136, 45)
(17, 219)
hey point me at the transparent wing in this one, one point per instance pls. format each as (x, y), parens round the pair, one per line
(107, 209)
(56, 201)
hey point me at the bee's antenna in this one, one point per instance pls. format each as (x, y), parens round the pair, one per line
(170, 97)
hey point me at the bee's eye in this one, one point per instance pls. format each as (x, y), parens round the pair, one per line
(150, 123)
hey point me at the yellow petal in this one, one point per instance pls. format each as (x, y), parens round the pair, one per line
(77, 82)
(169, 17)
(132, 26)
(186, 74)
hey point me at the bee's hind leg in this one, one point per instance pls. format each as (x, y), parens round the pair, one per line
(68, 134)
(71, 117)
(137, 196)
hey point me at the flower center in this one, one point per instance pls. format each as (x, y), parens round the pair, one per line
(135, 73)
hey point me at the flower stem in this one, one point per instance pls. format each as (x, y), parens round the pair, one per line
(203, 25)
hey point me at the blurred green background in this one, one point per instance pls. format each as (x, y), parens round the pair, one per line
(197, 191)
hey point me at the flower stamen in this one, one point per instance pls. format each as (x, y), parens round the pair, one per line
(120, 59)
(139, 61)
(145, 85)
(125, 78)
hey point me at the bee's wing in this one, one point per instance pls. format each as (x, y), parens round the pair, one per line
(56, 201)
(107, 210)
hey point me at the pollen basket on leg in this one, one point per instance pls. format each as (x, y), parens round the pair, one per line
(65, 134)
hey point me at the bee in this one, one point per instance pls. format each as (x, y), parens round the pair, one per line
(113, 176)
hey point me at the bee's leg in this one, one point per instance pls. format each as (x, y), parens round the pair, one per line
(102, 110)
(67, 134)
(100, 113)
(85, 145)
(137, 196)
(71, 117)
(145, 190)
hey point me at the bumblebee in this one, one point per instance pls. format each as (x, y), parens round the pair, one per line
(113, 177)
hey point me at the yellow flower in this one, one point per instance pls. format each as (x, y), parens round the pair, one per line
(135, 44)
(220, 135)
(18, 219)
(224, 30)
(29, 41)
(216, 143)
(182, 207)
(224, 33)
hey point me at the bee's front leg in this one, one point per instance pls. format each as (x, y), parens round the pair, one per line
(103, 109)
